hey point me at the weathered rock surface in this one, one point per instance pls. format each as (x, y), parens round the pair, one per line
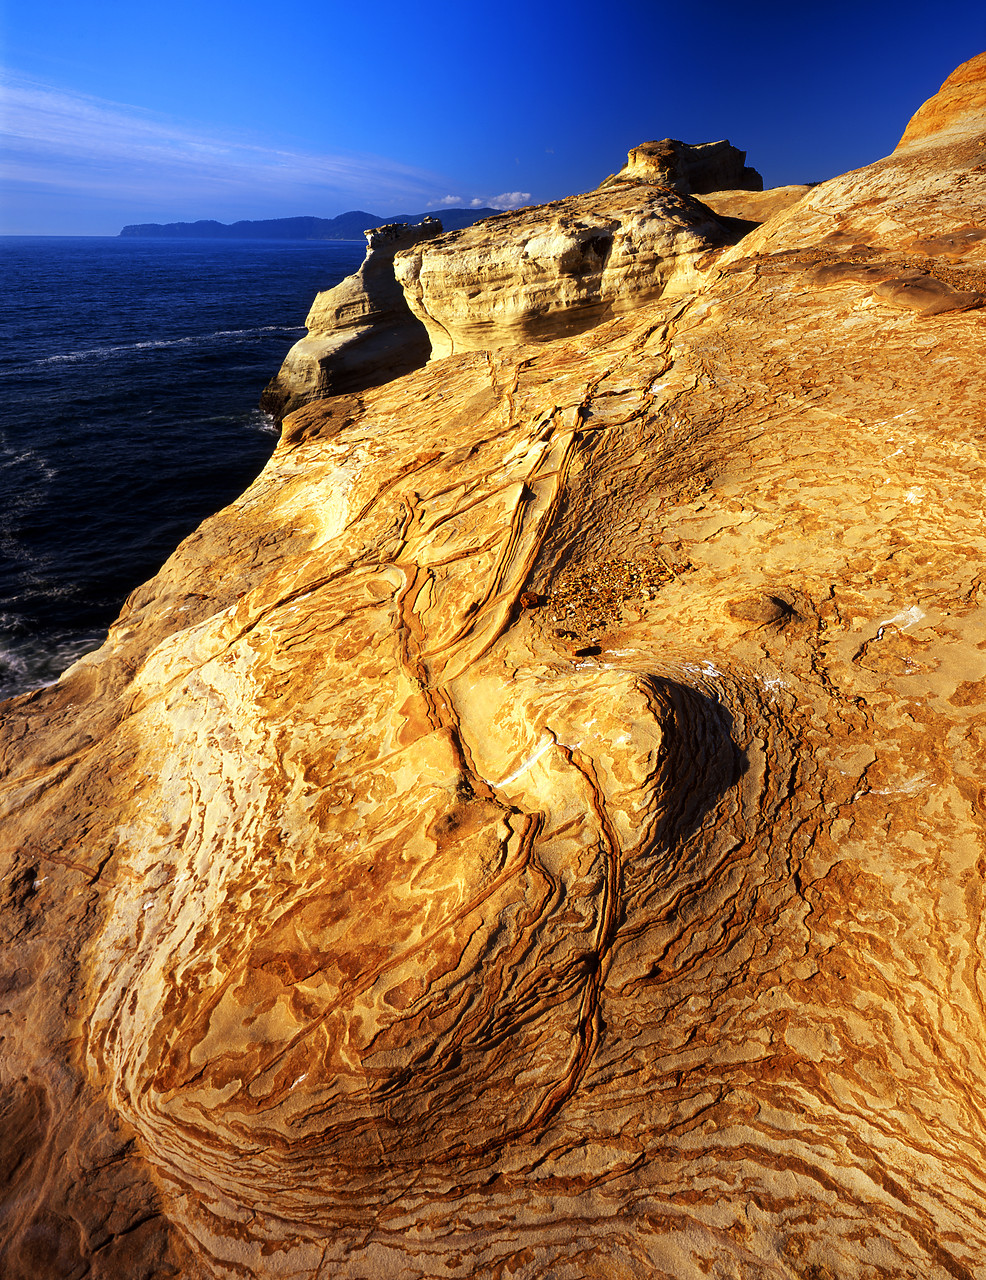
(538, 830)
(957, 109)
(924, 200)
(360, 333)
(557, 269)
(692, 168)
(754, 206)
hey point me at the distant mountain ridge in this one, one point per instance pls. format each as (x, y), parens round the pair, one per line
(347, 226)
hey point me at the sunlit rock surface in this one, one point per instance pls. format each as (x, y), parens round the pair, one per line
(538, 830)
(692, 168)
(957, 109)
(360, 333)
(558, 269)
(753, 206)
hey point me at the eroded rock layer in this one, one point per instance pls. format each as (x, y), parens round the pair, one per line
(556, 269)
(956, 109)
(692, 168)
(360, 333)
(538, 830)
(754, 206)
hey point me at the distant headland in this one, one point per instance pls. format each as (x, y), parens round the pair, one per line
(347, 226)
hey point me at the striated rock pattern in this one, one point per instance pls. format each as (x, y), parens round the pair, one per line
(360, 333)
(956, 109)
(924, 201)
(557, 269)
(538, 830)
(692, 168)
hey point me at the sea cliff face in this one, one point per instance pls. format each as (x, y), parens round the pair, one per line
(529, 276)
(538, 829)
(558, 269)
(361, 333)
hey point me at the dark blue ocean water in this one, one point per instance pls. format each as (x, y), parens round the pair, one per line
(130, 372)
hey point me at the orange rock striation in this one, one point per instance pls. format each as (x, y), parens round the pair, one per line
(405, 889)
(956, 109)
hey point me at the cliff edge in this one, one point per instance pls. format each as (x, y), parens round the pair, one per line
(532, 275)
(360, 333)
(537, 830)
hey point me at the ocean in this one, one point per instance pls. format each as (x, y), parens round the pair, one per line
(130, 374)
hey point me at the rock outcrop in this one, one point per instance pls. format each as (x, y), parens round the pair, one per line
(533, 275)
(558, 269)
(538, 829)
(360, 333)
(955, 111)
(692, 168)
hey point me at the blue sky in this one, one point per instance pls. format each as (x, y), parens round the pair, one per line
(119, 111)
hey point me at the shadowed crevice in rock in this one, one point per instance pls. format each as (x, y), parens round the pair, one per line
(703, 759)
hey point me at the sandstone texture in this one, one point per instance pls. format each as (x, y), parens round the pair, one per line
(360, 333)
(956, 109)
(538, 829)
(754, 206)
(688, 167)
(558, 269)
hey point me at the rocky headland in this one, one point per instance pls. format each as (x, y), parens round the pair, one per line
(533, 274)
(360, 333)
(538, 829)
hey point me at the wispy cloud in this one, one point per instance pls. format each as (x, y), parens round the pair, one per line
(506, 200)
(68, 143)
(509, 200)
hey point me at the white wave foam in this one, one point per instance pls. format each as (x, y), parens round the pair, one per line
(12, 457)
(98, 353)
(36, 663)
(265, 423)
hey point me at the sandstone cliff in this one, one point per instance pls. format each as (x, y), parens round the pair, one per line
(560, 268)
(360, 333)
(532, 275)
(538, 830)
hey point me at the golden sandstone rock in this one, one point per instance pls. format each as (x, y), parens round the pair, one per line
(691, 169)
(360, 333)
(957, 108)
(527, 276)
(538, 829)
(561, 268)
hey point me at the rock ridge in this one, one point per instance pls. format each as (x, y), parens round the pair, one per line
(691, 168)
(558, 269)
(531, 275)
(956, 109)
